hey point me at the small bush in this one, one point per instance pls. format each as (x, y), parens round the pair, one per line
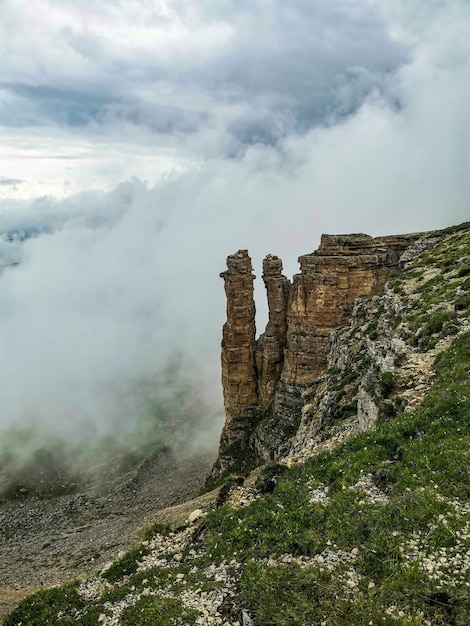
(50, 606)
(125, 565)
(436, 322)
(464, 271)
(155, 529)
(156, 610)
(386, 383)
(462, 303)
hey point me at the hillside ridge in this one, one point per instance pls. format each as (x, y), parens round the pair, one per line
(268, 383)
(360, 513)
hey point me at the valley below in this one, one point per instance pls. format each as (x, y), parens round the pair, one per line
(338, 499)
(45, 541)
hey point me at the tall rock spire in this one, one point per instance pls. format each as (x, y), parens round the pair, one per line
(270, 347)
(239, 377)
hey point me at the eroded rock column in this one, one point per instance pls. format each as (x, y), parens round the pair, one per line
(266, 383)
(239, 378)
(270, 348)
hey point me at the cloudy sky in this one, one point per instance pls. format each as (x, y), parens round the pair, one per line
(142, 141)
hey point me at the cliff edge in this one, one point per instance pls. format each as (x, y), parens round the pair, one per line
(364, 519)
(275, 386)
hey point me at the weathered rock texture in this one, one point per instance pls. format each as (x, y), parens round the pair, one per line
(239, 375)
(265, 379)
(270, 346)
(347, 343)
(323, 295)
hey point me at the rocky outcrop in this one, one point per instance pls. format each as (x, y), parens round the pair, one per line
(381, 362)
(265, 382)
(323, 295)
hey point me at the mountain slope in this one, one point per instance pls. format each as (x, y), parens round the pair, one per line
(367, 519)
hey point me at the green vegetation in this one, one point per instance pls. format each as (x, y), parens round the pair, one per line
(462, 303)
(51, 606)
(375, 531)
(156, 610)
(386, 383)
(442, 296)
(125, 565)
(420, 462)
(155, 529)
(394, 556)
(464, 271)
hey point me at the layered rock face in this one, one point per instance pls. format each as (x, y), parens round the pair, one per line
(239, 375)
(323, 294)
(266, 379)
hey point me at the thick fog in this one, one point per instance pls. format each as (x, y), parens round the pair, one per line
(142, 144)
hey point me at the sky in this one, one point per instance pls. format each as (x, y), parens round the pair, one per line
(142, 141)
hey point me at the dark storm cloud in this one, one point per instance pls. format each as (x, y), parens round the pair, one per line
(259, 70)
(55, 105)
(300, 54)
(68, 107)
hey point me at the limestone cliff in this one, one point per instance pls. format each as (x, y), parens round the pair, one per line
(323, 294)
(275, 388)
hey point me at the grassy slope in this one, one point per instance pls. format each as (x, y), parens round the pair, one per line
(412, 547)
(374, 532)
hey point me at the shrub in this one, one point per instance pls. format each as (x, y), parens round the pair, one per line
(125, 565)
(386, 383)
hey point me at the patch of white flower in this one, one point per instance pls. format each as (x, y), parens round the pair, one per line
(166, 550)
(208, 603)
(328, 560)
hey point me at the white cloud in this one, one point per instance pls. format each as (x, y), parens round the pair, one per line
(127, 278)
(229, 74)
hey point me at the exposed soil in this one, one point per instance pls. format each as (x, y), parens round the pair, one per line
(46, 541)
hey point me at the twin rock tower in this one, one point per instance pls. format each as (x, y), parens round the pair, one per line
(263, 380)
